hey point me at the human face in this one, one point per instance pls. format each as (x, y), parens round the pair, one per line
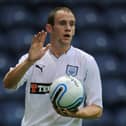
(63, 28)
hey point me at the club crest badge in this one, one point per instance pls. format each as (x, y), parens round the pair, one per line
(71, 70)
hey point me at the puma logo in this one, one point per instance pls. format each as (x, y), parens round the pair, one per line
(39, 67)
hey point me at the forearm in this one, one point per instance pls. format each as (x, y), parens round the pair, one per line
(89, 112)
(14, 76)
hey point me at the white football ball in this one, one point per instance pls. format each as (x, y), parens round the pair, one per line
(67, 92)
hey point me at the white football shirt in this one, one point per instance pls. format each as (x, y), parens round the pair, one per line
(38, 108)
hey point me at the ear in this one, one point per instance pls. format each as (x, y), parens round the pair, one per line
(48, 28)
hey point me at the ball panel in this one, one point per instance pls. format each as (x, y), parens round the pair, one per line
(58, 92)
(71, 105)
(67, 92)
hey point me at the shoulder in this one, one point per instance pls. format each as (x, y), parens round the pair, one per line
(85, 58)
(83, 54)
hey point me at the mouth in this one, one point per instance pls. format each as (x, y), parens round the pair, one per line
(67, 36)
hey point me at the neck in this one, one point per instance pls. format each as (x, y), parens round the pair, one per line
(57, 50)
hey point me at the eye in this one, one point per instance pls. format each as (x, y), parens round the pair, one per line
(72, 23)
(62, 22)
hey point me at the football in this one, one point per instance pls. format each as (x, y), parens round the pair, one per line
(67, 92)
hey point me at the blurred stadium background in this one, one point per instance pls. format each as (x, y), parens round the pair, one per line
(101, 31)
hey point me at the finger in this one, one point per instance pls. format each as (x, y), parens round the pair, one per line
(34, 38)
(38, 36)
(47, 47)
(60, 111)
(42, 36)
(56, 109)
(64, 112)
(54, 105)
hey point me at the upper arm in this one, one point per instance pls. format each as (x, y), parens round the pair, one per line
(25, 76)
(93, 87)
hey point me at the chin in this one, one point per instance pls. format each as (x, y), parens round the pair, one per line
(66, 41)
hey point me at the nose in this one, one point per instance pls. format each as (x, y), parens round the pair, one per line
(68, 27)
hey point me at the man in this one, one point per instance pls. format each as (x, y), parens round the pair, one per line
(42, 65)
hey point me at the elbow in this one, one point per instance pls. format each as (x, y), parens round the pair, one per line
(99, 112)
(7, 84)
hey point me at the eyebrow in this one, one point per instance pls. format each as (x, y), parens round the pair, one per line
(63, 20)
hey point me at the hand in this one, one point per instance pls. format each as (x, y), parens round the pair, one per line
(65, 112)
(37, 50)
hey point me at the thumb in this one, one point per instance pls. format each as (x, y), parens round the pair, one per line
(47, 47)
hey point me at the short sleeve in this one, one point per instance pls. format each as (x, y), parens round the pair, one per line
(93, 87)
(26, 75)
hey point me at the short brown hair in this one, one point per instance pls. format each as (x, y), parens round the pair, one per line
(51, 16)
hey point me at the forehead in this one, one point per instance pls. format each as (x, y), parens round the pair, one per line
(64, 15)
